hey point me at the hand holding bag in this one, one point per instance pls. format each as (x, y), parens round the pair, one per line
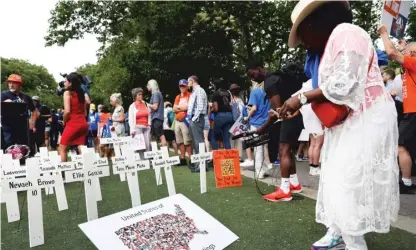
(331, 114)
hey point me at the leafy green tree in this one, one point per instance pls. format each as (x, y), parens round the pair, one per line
(37, 80)
(411, 24)
(171, 40)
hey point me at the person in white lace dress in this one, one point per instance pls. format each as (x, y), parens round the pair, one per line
(358, 190)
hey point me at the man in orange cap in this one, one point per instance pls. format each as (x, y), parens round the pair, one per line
(13, 130)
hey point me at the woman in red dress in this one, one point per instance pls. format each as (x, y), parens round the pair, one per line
(76, 125)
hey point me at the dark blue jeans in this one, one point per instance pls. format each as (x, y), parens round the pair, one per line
(222, 124)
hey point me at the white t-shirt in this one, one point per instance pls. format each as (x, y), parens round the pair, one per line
(311, 122)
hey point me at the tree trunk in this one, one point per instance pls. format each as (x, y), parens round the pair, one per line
(247, 40)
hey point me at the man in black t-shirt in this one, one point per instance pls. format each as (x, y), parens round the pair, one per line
(14, 129)
(279, 87)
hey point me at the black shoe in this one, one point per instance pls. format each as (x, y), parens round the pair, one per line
(181, 163)
(406, 189)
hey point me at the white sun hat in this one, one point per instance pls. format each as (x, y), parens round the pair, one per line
(303, 9)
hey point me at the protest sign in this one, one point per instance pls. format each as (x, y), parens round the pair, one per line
(394, 17)
(227, 168)
(240, 126)
(174, 222)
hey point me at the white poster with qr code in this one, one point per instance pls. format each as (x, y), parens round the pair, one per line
(174, 222)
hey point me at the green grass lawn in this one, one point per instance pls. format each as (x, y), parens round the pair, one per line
(259, 224)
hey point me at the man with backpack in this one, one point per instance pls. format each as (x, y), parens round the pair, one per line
(224, 119)
(182, 133)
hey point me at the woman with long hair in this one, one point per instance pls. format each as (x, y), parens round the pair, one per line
(75, 111)
(358, 190)
(118, 116)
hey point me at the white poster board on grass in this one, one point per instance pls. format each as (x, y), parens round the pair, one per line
(146, 227)
(395, 16)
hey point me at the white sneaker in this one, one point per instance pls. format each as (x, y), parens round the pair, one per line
(247, 164)
(261, 176)
(314, 171)
(331, 240)
(270, 166)
(301, 159)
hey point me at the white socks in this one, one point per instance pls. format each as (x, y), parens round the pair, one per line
(285, 185)
(285, 182)
(407, 182)
(294, 179)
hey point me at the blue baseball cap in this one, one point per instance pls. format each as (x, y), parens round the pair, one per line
(183, 82)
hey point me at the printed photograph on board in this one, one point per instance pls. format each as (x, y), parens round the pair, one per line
(164, 231)
(398, 26)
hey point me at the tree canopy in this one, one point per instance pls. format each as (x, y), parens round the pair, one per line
(37, 80)
(171, 40)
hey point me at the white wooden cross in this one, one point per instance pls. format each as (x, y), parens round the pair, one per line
(90, 171)
(99, 162)
(44, 160)
(167, 162)
(33, 184)
(95, 182)
(201, 158)
(129, 164)
(52, 166)
(9, 170)
(117, 143)
(155, 154)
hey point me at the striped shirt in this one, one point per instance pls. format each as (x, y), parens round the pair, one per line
(198, 103)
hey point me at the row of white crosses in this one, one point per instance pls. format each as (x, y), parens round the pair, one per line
(45, 172)
(32, 182)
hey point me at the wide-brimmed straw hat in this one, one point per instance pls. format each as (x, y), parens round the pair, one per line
(303, 9)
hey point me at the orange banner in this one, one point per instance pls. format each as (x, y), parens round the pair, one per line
(227, 168)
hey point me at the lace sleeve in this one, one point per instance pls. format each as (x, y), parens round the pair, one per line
(344, 80)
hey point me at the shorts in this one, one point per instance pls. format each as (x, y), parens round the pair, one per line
(290, 130)
(157, 128)
(206, 124)
(182, 133)
(169, 135)
(407, 131)
(92, 133)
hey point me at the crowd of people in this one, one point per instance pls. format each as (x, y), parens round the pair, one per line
(369, 113)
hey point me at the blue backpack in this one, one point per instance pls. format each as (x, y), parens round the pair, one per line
(171, 118)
